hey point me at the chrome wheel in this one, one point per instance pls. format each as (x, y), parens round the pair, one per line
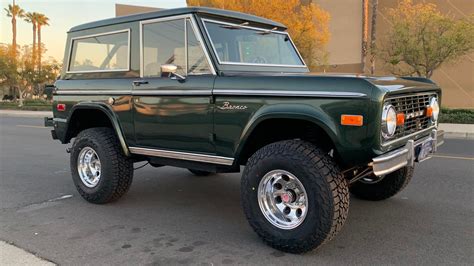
(88, 167)
(282, 199)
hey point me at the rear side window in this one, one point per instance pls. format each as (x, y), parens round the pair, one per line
(100, 53)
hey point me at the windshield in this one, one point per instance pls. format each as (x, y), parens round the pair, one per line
(241, 45)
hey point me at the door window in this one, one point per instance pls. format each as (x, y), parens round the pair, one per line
(197, 60)
(165, 43)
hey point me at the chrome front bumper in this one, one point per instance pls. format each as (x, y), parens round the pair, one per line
(406, 156)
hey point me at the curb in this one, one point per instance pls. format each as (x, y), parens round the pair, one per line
(458, 135)
(457, 131)
(13, 255)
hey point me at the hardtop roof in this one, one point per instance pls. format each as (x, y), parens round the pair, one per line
(175, 12)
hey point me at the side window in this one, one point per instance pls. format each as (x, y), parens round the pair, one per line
(163, 43)
(107, 52)
(197, 60)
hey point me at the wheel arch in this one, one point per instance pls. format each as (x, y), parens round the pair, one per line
(300, 116)
(103, 116)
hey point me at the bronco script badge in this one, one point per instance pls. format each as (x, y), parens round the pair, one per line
(229, 106)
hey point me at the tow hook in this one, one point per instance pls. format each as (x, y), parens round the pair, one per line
(68, 150)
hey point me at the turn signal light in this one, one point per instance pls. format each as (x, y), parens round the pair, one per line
(352, 120)
(400, 119)
(61, 107)
(429, 111)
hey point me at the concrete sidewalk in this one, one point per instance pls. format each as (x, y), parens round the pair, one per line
(463, 131)
(21, 113)
(11, 255)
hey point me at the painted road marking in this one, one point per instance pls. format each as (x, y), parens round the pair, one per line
(453, 157)
(31, 126)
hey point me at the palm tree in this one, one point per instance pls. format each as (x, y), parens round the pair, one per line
(373, 35)
(41, 21)
(365, 32)
(14, 11)
(32, 17)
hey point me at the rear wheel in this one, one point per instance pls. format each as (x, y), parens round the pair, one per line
(375, 189)
(294, 196)
(100, 170)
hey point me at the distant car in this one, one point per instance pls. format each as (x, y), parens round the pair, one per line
(213, 90)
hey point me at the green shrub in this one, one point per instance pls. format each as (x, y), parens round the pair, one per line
(457, 116)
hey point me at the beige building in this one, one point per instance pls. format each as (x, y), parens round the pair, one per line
(345, 46)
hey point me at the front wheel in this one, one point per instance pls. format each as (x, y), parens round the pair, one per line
(294, 196)
(375, 189)
(100, 170)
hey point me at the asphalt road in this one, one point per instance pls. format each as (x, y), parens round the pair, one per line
(172, 217)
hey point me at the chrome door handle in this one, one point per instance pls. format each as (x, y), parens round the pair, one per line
(139, 82)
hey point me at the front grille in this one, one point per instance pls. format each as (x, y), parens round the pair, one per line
(409, 105)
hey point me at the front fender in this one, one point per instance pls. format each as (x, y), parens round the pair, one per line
(303, 112)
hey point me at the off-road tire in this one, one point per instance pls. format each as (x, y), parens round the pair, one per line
(117, 170)
(327, 192)
(199, 172)
(389, 186)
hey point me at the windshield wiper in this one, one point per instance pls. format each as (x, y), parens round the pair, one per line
(267, 31)
(235, 27)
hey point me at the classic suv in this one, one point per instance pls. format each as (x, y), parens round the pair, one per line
(213, 90)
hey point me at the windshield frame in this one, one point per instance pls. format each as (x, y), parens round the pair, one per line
(204, 20)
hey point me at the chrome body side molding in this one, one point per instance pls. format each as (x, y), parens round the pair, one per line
(286, 93)
(204, 158)
(135, 92)
(172, 92)
(276, 93)
(92, 92)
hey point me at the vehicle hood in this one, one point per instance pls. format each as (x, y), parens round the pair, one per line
(381, 84)
(388, 84)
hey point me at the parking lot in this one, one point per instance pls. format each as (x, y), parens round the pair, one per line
(172, 217)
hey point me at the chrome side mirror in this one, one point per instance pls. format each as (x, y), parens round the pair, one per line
(170, 71)
(169, 68)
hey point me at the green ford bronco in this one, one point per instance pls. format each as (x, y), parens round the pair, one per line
(214, 91)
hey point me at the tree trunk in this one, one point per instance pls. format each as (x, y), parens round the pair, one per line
(365, 32)
(39, 48)
(34, 45)
(14, 35)
(373, 35)
(20, 95)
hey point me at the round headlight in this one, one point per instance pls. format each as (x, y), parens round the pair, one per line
(389, 121)
(434, 108)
